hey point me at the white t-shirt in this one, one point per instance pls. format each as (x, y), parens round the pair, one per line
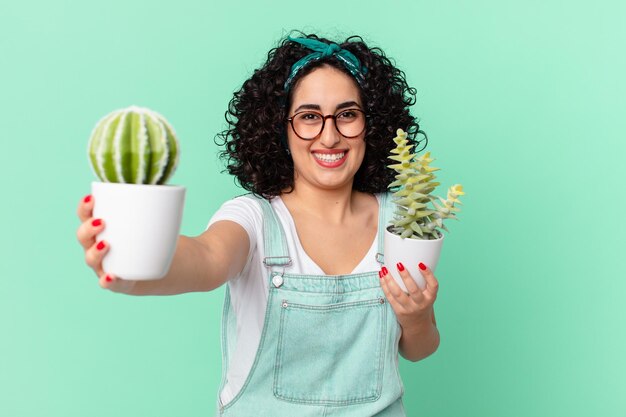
(249, 290)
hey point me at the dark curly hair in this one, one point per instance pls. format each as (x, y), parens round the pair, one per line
(254, 149)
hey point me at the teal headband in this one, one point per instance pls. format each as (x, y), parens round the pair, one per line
(321, 50)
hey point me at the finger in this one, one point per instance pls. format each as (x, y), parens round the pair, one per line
(414, 291)
(88, 230)
(94, 255)
(432, 285)
(397, 307)
(395, 290)
(112, 283)
(85, 208)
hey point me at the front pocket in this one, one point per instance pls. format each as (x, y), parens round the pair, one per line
(330, 354)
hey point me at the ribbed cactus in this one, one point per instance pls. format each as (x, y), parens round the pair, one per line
(133, 145)
(413, 184)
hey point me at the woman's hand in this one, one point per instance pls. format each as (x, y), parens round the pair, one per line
(95, 251)
(414, 311)
(415, 308)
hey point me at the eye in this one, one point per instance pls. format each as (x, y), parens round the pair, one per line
(309, 117)
(348, 115)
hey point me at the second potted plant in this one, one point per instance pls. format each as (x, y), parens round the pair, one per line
(413, 234)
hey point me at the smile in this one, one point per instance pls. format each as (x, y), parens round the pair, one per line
(329, 157)
(330, 160)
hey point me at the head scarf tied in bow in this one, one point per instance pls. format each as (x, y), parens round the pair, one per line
(321, 50)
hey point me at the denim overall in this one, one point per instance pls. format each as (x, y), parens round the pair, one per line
(329, 345)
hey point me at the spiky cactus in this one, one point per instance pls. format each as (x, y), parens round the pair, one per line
(134, 145)
(414, 182)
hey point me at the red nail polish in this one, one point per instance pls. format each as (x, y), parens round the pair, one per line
(422, 266)
(100, 245)
(400, 266)
(108, 278)
(87, 199)
(96, 222)
(380, 274)
(385, 271)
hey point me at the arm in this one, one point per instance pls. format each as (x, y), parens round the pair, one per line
(202, 263)
(420, 341)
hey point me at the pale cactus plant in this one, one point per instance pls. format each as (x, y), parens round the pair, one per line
(134, 145)
(411, 192)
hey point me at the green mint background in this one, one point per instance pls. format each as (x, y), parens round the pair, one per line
(524, 104)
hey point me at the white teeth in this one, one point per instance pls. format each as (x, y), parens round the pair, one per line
(325, 157)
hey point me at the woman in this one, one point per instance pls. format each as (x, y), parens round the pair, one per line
(313, 322)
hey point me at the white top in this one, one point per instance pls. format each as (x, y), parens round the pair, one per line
(249, 290)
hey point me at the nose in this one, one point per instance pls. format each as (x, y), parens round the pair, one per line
(330, 136)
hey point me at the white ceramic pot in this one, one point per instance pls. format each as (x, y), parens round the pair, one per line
(410, 252)
(142, 225)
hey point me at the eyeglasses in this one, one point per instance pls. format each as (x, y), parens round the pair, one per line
(309, 124)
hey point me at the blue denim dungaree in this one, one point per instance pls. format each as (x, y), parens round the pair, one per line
(329, 345)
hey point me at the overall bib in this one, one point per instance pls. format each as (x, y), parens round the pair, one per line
(329, 345)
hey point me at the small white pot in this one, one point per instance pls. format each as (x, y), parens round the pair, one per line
(142, 224)
(410, 252)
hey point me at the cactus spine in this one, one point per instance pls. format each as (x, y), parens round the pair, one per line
(414, 182)
(134, 145)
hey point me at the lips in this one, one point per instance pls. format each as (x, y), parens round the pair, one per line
(330, 159)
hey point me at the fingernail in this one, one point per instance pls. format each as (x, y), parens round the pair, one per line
(400, 266)
(385, 271)
(422, 266)
(96, 222)
(108, 278)
(100, 245)
(380, 274)
(87, 199)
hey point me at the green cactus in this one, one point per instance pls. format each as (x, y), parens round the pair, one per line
(411, 192)
(134, 145)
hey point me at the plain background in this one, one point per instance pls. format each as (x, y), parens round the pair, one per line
(523, 102)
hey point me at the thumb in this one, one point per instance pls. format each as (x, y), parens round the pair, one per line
(112, 283)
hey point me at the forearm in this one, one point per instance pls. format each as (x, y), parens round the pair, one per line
(202, 263)
(187, 273)
(420, 340)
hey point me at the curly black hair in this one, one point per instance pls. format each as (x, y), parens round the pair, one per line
(255, 150)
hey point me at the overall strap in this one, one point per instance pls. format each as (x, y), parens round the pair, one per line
(385, 211)
(276, 249)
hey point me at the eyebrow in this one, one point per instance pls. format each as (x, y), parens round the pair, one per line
(340, 106)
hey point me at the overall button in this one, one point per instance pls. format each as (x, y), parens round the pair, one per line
(277, 281)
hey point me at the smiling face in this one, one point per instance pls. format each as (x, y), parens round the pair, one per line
(331, 160)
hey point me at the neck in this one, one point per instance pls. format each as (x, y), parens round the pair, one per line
(333, 205)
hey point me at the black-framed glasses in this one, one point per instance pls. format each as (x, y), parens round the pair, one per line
(309, 124)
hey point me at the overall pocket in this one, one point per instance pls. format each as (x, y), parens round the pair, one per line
(330, 354)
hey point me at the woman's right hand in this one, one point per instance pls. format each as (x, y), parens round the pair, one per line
(96, 250)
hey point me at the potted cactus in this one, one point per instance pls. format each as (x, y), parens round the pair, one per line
(134, 151)
(413, 234)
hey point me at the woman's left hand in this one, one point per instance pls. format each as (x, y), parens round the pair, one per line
(415, 308)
